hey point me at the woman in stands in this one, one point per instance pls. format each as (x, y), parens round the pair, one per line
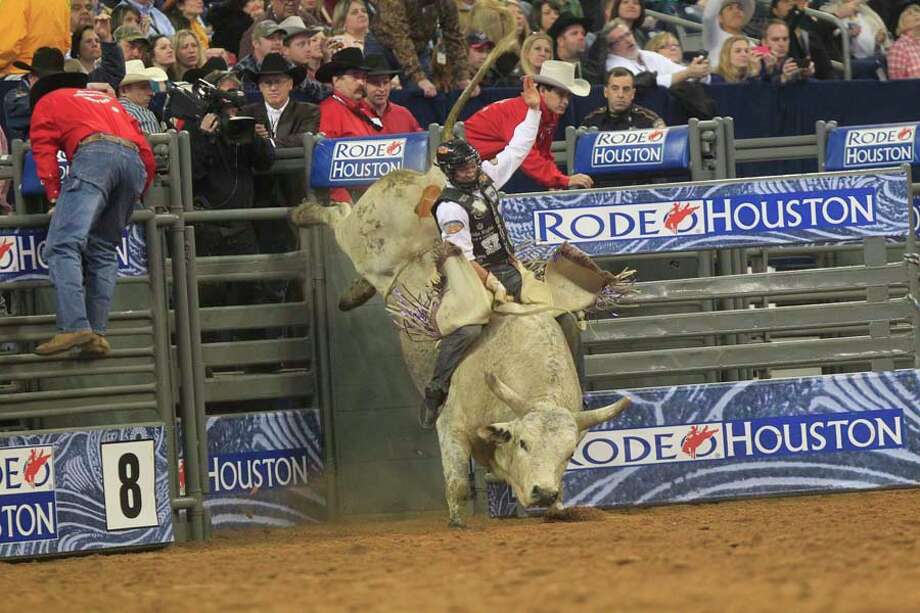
(904, 54)
(102, 60)
(350, 24)
(737, 62)
(126, 15)
(666, 44)
(188, 52)
(162, 55)
(186, 15)
(537, 48)
(544, 14)
(632, 12)
(869, 38)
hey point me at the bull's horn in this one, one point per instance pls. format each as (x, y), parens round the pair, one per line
(507, 395)
(359, 292)
(589, 419)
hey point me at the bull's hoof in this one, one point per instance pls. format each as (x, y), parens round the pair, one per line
(357, 294)
(458, 524)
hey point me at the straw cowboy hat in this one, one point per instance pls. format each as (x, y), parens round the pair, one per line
(562, 75)
(136, 73)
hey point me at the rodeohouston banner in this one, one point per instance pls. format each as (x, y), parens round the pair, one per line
(738, 213)
(877, 146)
(359, 161)
(88, 490)
(598, 153)
(750, 438)
(22, 259)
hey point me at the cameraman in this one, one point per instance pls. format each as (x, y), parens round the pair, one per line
(224, 160)
(779, 66)
(808, 37)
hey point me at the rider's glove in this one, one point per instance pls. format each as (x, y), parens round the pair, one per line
(495, 286)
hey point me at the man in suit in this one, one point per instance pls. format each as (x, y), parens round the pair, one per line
(283, 121)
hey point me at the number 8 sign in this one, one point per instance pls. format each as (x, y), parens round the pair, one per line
(128, 481)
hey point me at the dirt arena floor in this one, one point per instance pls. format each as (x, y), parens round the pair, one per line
(852, 552)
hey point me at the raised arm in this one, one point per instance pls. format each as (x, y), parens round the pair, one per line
(525, 135)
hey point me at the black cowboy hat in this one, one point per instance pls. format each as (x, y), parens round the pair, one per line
(47, 60)
(56, 80)
(275, 64)
(564, 22)
(350, 58)
(196, 74)
(378, 66)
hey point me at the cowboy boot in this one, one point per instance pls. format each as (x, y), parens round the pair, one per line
(98, 347)
(431, 407)
(64, 341)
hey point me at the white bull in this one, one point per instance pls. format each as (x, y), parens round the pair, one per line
(527, 421)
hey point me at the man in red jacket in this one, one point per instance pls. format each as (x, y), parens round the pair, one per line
(111, 165)
(490, 129)
(396, 119)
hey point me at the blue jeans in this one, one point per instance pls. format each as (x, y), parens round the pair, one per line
(97, 198)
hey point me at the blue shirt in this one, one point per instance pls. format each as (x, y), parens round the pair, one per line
(159, 22)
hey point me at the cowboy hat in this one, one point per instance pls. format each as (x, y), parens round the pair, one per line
(56, 80)
(560, 74)
(350, 58)
(378, 66)
(47, 60)
(292, 26)
(275, 64)
(136, 73)
(566, 21)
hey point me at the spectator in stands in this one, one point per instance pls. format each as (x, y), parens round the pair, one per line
(478, 50)
(267, 37)
(111, 165)
(536, 49)
(666, 44)
(16, 107)
(738, 63)
(223, 177)
(82, 13)
(159, 22)
(632, 13)
(314, 13)
(904, 54)
(346, 112)
(162, 54)
(623, 51)
(304, 47)
(779, 67)
(621, 112)
(545, 14)
(490, 129)
(568, 36)
(136, 92)
(97, 54)
(186, 15)
(28, 25)
(523, 27)
(721, 19)
(134, 45)
(396, 119)
(189, 53)
(231, 19)
(806, 35)
(868, 35)
(350, 25)
(278, 11)
(404, 30)
(126, 15)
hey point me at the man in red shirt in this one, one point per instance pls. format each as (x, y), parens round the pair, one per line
(490, 129)
(346, 112)
(111, 165)
(396, 119)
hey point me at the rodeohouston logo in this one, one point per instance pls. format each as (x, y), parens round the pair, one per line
(366, 159)
(868, 147)
(741, 439)
(632, 148)
(735, 214)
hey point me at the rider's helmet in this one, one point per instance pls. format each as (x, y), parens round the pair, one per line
(454, 154)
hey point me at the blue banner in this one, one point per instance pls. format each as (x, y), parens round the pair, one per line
(738, 213)
(751, 438)
(77, 491)
(31, 186)
(359, 161)
(21, 257)
(878, 146)
(632, 151)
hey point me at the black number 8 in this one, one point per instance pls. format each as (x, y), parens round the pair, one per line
(129, 494)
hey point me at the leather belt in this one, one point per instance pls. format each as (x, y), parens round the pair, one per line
(92, 138)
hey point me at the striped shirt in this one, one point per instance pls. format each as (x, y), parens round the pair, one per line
(144, 116)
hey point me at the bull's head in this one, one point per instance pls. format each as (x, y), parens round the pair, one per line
(532, 451)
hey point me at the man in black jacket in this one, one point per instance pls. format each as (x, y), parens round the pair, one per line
(621, 112)
(809, 37)
(223, 175)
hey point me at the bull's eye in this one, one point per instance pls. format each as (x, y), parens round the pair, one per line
(523, 445)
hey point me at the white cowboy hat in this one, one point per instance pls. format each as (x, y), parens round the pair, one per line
(562, 75)
(136, 73)
(292, 26)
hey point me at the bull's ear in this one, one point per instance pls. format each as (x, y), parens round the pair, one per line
(497, 434)
(507, 395)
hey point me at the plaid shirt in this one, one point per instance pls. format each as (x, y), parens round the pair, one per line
(144, 116)
(904, 58)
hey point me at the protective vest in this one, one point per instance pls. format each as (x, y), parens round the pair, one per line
(490, 239)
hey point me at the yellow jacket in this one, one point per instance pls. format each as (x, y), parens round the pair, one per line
(28, 25)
